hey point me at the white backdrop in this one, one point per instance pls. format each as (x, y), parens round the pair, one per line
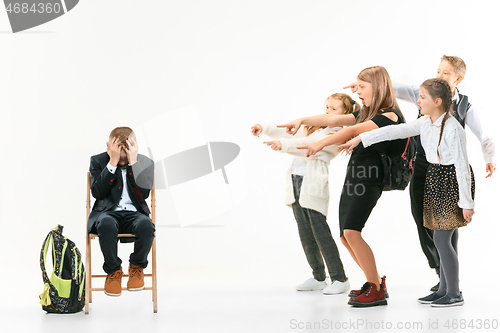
(64, 85)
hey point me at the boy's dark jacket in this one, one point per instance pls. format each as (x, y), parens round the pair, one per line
(107, 187)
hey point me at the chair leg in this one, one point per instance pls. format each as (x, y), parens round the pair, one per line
(88, 275)
(154, 278)
(90, 270)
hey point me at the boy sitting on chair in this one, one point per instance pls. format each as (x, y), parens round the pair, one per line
(121, 180)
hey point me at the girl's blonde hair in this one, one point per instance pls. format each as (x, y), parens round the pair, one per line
(348, 104)
(383, 97)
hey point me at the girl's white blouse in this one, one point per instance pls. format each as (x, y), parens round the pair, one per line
(452, 149)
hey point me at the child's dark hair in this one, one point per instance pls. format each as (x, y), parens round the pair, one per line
(439, 88)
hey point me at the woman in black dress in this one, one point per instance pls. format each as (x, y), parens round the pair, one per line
(364, 178)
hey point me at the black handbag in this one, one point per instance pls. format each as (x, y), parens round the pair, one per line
(398, 169)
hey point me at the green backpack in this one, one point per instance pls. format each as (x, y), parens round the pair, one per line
(64, 292)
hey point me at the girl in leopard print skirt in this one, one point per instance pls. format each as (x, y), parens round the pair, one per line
(449, 184)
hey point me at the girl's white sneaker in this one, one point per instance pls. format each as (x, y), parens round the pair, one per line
(311, 284)
(337, 287)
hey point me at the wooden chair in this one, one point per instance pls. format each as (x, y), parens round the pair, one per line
(88, 260)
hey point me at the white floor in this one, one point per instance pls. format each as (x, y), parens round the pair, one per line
(252, 309)
(217, 284)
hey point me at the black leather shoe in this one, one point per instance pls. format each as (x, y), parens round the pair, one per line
(435, 288)
(447, 301)
(429, 298)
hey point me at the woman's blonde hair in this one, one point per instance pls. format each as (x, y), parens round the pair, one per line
(383, 97)
(349, 105)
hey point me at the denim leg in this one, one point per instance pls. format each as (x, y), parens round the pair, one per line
(306, 235)
(144, 231)
(327, 246)
(143, 228)
(107, 231)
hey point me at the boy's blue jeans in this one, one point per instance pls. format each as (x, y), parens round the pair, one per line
(110, 224)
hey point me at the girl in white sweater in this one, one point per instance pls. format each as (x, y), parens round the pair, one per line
(307, 193)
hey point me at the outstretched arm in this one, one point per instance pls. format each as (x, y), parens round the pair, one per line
(392, 132)
(271, 130)
(319, 120)
(350, 145)
(402, 91)
(455, 140)
(405, 92)
(487, 145)
(342, 135)
(290, 146)
(353, 86)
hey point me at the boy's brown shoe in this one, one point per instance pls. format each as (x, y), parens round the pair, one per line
(135, 278)
(113, 284)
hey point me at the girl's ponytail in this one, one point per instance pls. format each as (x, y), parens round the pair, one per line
(439, 88)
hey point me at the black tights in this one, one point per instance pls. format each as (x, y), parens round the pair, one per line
(446, 242)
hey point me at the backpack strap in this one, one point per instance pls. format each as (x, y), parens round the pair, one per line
(43, 256)
(44, 297)
(406, 148)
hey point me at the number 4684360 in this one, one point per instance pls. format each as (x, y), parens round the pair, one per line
(471, 324)
(34, 8)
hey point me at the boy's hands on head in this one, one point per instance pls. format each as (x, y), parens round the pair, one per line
(256, 130)
(275, 145)
(113, 150)
(490, 168)
(131, 150)
(353, 86)
(292, 127)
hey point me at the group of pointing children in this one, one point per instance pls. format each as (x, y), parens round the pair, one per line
(441, 189)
